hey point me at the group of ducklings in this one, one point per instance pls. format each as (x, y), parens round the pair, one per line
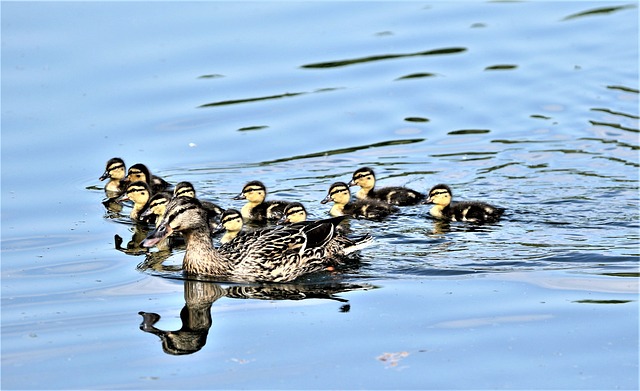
(280, 253)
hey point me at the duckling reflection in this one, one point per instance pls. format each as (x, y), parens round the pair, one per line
(133, 246)
(200, 295)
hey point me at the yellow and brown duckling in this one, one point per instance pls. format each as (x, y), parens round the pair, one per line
(140, 172)
(115, 171)
(340, 195)
(472, 211)
(231, 222)
(156, 207)
(279, 255)
(394, 195)
(139, 193)
(186, 189)
(295, 212)
(257, 209)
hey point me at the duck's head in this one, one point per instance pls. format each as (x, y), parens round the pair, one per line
(182, 214)
(114, 169)
(338, 193)
(363, 177)
(184, 189)
(138, 192)
(254, 192)
(439, 195)
(157, 205)
(138, 172)
(231, 221)
(293, 213)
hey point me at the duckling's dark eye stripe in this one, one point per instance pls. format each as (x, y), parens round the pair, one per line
(135, 189)
(360, 176)
(117, 166)
(183, 191)
(336, 191)
(230, 218)
(435, 193)
(294, 211)
(250, 189)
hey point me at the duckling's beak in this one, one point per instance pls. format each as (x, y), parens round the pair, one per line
(240, 196)
(123, 197)
(104, 176)
(284, 220)
(156, 235)
(428, 200)
(352, 183)
(326, 199)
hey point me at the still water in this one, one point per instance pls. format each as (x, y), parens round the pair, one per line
(532, 106)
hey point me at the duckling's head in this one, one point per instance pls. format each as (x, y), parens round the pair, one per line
(439, 195)
(338, 193)
(182, 214)
(184, 189)
(363, 177)
(293, 213)
(114, 169)
(157, 205)
(138, 172)
(138, 192)
(231, 221)
(254, 192)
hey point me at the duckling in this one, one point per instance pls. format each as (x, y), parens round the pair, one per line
(186, 189)
(256, 208)
(116, 173)
(396, 195)
(156, 207)
(473, 211)
(367, 208)
(139, 193)
(140, 172)
(279, 255)
(231, 222)
(295, 212)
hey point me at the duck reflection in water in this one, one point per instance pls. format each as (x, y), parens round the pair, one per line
(199, 296)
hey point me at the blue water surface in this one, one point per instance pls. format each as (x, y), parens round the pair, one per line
(532, 106)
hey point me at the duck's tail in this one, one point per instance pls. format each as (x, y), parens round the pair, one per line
(356, 244)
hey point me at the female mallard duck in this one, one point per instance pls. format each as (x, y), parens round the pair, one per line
(116, 173)
(396, 195)
(473, 211)
(139, 193)
(140, 172)
(256, 208)
(368, 208)
(279, 255)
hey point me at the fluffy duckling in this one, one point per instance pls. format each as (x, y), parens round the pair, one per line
(231, 222)
(115, 171)
(396, 195)
(473, 211)
(368, 208)
(140, 172)
(186, 189)
(256, 208)
(139, 193)
(279, 255)
(295, 212)
(156, 207)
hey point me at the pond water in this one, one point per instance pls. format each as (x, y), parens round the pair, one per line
(528, 105)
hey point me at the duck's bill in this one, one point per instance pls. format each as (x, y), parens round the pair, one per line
(156, 236)
(104, 176)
